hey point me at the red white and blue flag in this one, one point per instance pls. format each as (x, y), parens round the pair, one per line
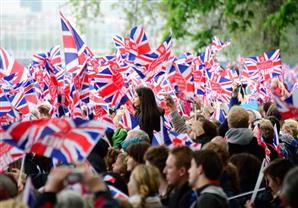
(8, 155)
(66, 139)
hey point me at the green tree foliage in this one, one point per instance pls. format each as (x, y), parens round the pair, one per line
(84, 11)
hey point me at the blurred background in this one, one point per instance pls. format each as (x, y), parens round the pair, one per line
(253, 26)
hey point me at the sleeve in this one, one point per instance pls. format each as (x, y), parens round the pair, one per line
(105, 200)
(234, 101)
(178, 122)
(46, 200)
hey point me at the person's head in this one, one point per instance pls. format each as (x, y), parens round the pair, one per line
(275, 122)
(111, 157)
(290, 127)
(251, 115)
(144, 180)
(267, 130)
(221, 150)
(276, 172)
(248, 167)
(206, 166)
(44, 111)
(120, 166)
(238, 118)
(137, 133)
(157, 156)
(69, 198)
(8, 187)
(136, 153)
(144, 97)
(290, 189)
(266, 107)
(273, 111)
(145, 104)
(203, 126)
(177, 165)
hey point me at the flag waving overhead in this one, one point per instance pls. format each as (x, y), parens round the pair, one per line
(75, 50)
(8, 155)
(265, 66)
(66, 139)
(9, 66)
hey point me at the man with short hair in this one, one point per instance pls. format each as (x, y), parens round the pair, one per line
(176, 170)
(240, 138)
(289, 189)
(204, 174)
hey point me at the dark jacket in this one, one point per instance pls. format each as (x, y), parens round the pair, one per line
(242, 140)
(182, 197)
(38, 168)
(211, 196)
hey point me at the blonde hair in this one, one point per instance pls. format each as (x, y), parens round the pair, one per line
(238, 117)
(293, 126)
(267, 128)
(146, 179)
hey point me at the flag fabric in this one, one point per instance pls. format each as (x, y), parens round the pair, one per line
(66, 139)
(265, 66)
(128, 121)
(75, 50)
(116, 193)
(9, 66)
(276, 140)
(29, 197)
(217, 45)
(218, 115)
(19, 102)
(8, 155)
(5, 106)
(289, 107)
(110, 85)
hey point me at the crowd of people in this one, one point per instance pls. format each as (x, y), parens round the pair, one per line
(223, 173)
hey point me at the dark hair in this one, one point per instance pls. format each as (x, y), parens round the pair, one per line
(248, 167)
(150, 112)
(157, 157)
(290, 187)
(272, 111)
(111, 157)
(210, 162)
(210, 128)
(183, 156)
(266, 106)
(278, 169)
(274, 121)
(137, 151)
(8, 187)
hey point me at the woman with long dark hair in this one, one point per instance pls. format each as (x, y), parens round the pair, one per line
(147, 112)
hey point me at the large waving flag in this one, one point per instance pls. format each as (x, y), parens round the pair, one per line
(75, 50)
(289, 107)
(110, 85)
(66, 139)
(8, 155)
(9, 66)
(265, 66)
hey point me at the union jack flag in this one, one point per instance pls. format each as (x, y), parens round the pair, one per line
(276, 140)
(5, 106)
(116, 193)
(75, 50)
(289, 107)
(265, 66)
(66, 139)
(138, 42)
(9, 66)
(128, 121)
(19, 102)
(218, 115)
(217, 45)
(110, 84)
(8, 155)
(148, 64)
